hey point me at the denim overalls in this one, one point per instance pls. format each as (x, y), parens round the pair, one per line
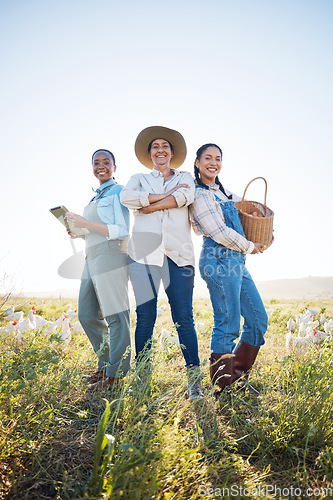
(232, 291)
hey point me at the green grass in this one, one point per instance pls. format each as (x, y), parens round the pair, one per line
(58, 440)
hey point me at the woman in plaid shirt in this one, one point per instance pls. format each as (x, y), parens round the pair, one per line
(222, 265)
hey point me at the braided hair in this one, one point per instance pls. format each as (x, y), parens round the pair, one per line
(200, 152)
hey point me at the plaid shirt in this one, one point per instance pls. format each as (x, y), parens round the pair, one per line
(208, 220)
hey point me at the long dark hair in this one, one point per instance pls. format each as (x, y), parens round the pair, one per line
(200, 152)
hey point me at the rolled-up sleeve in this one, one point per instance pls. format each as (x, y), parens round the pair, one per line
(113, 232)
(115, 216)
(132, 196)
(208, 220)
(185, 196)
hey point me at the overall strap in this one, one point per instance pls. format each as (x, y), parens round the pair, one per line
(102, 192)
(221, 201)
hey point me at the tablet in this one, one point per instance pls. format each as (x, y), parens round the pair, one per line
(59, 213)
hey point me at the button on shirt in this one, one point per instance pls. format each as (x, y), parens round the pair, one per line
(207, 218)
(172, 225)
(111, 211)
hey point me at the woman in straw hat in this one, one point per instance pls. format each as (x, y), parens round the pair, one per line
(161, 248)
(222, 265)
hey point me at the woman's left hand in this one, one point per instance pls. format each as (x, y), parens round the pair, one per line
(258, 248)
(76, 220)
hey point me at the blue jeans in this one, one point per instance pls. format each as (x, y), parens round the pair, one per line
(233, 294)
(178, 283)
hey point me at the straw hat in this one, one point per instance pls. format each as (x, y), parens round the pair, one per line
(151, 133)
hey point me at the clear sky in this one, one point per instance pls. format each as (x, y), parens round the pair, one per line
(253, 76)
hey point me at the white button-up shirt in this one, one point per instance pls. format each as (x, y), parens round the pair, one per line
(164, 232)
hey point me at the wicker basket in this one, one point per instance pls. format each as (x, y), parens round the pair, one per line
(256, 229)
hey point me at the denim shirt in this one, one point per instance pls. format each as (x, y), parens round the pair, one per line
(111, 211)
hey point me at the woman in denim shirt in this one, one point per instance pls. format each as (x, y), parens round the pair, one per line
(103, 299)
(222, 265)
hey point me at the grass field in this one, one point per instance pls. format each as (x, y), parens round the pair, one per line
(59, 440)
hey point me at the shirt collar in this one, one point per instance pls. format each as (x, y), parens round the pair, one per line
(157, 173)
(213, 187)
(108, 183)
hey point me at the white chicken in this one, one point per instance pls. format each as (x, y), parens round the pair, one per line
(71, 313)
(312, 312)
(76, 327)
(322, 318)
(65, 333)
(316, 336)
(328, 326)
(27, 324)
(291, 325)
(16, 316)
(296, 344)
(200, 327)
(30, 319)
(304, 318)
(8, 311)
(167, 338)
(161, 310)
(40, 321)
(54, 325)
(312, 324)
(302, 329)
(11, 327)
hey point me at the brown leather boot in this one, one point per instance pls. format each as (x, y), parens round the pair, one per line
(94, 377)
(245, 356)
(104, 383)
(221, 370)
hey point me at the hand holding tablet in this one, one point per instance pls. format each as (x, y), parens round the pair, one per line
(60, 213)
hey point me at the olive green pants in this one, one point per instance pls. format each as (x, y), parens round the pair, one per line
(105, 317)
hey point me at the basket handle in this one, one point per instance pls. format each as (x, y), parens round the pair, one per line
(255, 180)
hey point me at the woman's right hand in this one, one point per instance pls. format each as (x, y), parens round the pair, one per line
(258, 248)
